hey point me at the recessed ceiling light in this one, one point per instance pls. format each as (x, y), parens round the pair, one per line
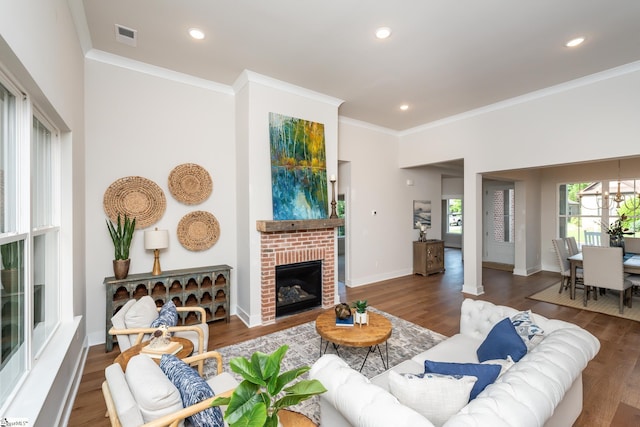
(404, 107)
(196, 33)
(383, 32)
(575, 42)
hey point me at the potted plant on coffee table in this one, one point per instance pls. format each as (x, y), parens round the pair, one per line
(121, 235)
(361, 317)
(263, 392)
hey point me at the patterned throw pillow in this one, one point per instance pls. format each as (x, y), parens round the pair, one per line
(193, 389)
(530, 333)
(168, 316)
(437, 397)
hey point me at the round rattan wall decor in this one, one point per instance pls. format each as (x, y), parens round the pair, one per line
(198, 230)
(138, 198)
(190, 183)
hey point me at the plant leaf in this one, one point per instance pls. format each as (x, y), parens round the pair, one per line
(300, 391)
(242, 366)
(270, 365)
(284, 379)
(243, 400)
(255, 417)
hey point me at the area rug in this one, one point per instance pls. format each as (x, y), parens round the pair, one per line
(606, 304)
(407, 339)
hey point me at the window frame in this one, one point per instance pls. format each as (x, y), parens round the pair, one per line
(18, 366)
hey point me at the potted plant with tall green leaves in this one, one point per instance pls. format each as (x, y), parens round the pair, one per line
(361, 317)
(263, 392)
(10, 273)
(121, 235)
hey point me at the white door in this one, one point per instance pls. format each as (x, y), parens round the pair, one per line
(499, 223)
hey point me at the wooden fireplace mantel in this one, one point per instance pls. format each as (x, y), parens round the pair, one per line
(269, 226)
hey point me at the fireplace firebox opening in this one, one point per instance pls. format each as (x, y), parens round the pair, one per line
(298, 287)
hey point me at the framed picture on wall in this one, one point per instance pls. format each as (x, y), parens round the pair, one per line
(421, 213)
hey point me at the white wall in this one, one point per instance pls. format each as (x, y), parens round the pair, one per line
(145, 124)
(589, 119)
(260, 96)
(379, 246)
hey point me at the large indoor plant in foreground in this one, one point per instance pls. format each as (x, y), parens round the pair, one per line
(121, 235)
(263, 392)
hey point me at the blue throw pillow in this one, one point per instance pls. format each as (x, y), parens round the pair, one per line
(193, 389)
(486, 374)
(502, 341)
(168, 316)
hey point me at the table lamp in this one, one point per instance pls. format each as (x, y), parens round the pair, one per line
(156, 240)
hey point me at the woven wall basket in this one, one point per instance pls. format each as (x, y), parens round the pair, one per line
(190, 184)
(198, 230)
(138, 198)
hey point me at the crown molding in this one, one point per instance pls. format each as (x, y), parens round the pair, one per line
(141, 67)
(548, 91)
(247, 77)
(367, 125)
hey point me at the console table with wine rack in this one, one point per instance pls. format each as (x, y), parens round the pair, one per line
(206, 287)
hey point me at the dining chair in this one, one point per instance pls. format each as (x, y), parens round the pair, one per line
(572, 245)
(562, 255)
(632, 245)
(592, 238)
(603, 268)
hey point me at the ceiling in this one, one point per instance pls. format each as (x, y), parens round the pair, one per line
(444, 57)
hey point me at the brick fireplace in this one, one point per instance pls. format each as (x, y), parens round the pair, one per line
(290, 242)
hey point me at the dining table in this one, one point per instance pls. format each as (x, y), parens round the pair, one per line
(631, 263)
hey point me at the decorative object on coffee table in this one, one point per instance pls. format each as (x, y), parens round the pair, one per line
(342, 310)
(198, 230)
(361, 317)
(190, 183)
(136, 197)
(121, 236)
(257, 400)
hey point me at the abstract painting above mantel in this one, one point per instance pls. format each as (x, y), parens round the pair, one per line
(298, 168)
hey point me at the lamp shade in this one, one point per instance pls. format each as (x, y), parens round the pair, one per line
(156, 239)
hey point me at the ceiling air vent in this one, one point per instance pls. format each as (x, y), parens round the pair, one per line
(126, 35)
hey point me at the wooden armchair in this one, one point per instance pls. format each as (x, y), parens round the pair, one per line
(120, 394)
(131, 325)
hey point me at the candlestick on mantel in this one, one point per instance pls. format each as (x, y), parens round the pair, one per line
(333, 197)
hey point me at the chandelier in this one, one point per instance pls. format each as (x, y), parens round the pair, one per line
(627, 198)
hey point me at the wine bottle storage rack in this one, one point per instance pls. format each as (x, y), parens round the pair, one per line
(206, 287)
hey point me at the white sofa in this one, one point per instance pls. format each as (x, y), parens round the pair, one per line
(544, 388)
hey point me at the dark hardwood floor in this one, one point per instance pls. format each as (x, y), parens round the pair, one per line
(611, 380)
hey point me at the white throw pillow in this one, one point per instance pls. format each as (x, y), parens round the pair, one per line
(436, 397)
(505, 364)
(142, 313)
(154, 392)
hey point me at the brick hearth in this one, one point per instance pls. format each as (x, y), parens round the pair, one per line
(293, 246)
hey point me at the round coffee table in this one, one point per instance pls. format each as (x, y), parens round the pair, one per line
(376, 332)
(124, 357)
